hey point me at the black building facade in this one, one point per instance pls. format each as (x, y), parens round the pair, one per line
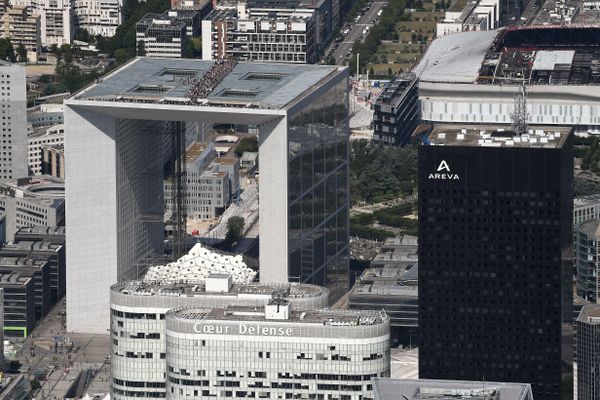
(495, 255)
(397, 112)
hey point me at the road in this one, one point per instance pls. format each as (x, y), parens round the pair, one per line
(356, 32)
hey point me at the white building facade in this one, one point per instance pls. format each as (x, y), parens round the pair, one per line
(56, 25)
(13, 106)
(274, 353)
(98, 17)
(138, 329)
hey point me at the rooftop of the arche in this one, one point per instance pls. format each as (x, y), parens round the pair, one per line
(207, 83)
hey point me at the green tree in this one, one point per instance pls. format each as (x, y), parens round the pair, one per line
(7, 52)
(21, 53)
(246, 144)
(235, 230)
(35, 385)
(121, 55)
(141, 48)
(83, 35)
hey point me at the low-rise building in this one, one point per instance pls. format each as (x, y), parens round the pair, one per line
(138, 309)
(40, 251)
(32, 202)
(249, 161)
(39, 272)
(19, 304)
(475, 15)
(49, 234)
(275, 352)
(397, 110)
(434, 389)
(248, 33)
(40, 137)
(588, 353)
(53, 160)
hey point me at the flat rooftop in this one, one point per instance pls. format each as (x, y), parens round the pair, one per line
(183, 289)
(42, 230)
(547, 137)
(584, 201)
(387, 281)
(590, 228)
(590, 314)
(151, 80)
(433, 389)
(257, 314)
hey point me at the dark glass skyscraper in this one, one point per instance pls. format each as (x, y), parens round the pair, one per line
(495, 263)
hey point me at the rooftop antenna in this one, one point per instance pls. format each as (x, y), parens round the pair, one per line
(520, 116)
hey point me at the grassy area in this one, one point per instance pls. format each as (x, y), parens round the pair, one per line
(413, 32)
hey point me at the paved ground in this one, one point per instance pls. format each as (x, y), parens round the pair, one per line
(405, 363)
(88, 352)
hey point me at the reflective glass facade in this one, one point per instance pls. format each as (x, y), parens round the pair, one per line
(318, 192)
(495, 263)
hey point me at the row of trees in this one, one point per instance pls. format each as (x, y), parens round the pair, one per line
(591, 158)
(384, 30)
(9, 53)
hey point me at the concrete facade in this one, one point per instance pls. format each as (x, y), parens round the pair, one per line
(13, 105)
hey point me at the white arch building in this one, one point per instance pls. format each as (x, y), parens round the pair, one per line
(113, 147)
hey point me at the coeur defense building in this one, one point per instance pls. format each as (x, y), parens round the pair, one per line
(117, 126)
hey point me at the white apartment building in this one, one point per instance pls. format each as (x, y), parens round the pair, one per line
(275, 352)
(13, 105)
(55, 20)
(98, 17)
(138, 329)
(52, 135)
(45, 115)
(260, 34)
(22, 29)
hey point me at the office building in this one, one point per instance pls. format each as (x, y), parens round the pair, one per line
(302, 116)
(38, 201)
(168, 35)
(586, 208)
(495, 255)
(459, 81)
(45, 115)
(210, 183)
(39, 272)
(246, 33)
(588, 353)
(19, 304)
(397, 110)
(588, 260)
(391, 284)
(23, 30)
(138, 309)
(275, 352)
(51, 253)
(13, 103)
(37, 139)
(202, 6)
(432, 389)
(53, 161)
(98, 17)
